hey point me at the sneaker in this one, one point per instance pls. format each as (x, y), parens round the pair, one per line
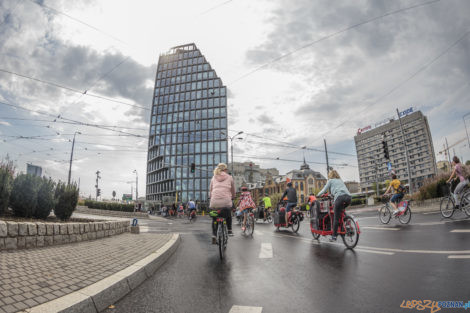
(395, 212)
(214, 240)
(230, 233)
(333, 238)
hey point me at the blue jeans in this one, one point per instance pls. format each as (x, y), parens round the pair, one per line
(290, 205)
(396, 198)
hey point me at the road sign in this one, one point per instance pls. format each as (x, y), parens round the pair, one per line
(127, 197)
(389, 166)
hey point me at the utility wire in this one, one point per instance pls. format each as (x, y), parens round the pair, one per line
(72, 89)
(289, 160)
(333, 35)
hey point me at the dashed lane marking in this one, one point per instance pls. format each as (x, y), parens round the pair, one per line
(460, 231)
(245, 309)
(459, 257)
(380, 228)
(432, 212)
(373, 251)
(266, 251)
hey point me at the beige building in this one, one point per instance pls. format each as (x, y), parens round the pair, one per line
(372, 162)
(250, 174)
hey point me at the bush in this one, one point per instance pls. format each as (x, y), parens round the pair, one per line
(6, 183)
(24, 195)
(358, 201)
(111, 206)
(46, 201)
(66, 200)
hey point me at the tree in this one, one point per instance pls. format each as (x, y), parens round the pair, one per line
(66, 200)
(114, 194)
(6, 182)
(46, 199)
(468, 162)
(24, 195)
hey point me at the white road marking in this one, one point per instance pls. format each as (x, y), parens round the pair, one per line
(433, 212)
(459, 257)
(258, 233)
(380, 228)
(372, 251)
(460, 231)
(266, 251)
(245, 309)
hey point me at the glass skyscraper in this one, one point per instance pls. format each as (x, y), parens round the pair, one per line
(188, 125)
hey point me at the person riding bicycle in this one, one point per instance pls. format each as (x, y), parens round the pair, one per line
(313, 205)
(342, 198)
(180, 210)
(395, 184)
(291, 195)
(459, 172)
(221, 193)
(191, 206)
(267, 205)
(244, 203)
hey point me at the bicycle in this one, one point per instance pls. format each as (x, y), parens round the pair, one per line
(403, 215)
(250, 223)
(447, 205)
(222, 233)
(192, 216)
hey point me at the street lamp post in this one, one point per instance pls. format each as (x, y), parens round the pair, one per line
(71, 157)
(466, 131)
(231, 146)
(136, 185)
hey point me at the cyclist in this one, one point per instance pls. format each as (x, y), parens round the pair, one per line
(311, 204)
(267, 205)
(180, 210)
(221, 193)
(291, 195)
(244, 203)
(395, 184)
(342, 198)
(191, 206)
(460, 172)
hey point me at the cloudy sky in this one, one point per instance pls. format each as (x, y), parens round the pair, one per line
(298, 72)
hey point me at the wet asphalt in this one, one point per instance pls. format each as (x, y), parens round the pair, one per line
(391, 263)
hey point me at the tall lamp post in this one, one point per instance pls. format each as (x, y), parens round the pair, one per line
(466, 131)
(136, 185)
(231, 146)
(71, 157)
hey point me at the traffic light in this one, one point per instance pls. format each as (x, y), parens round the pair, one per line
(98, 192)
(385, 148)
(193, 167)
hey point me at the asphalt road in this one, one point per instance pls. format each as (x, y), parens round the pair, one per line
(285, 272)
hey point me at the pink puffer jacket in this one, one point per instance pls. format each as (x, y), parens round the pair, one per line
(221, 191)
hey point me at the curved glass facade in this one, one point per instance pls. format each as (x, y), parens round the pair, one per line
(188, 125)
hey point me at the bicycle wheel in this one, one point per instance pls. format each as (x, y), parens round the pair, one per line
(295, 224)
(351, 236)
(220, 240)
(315, 235)
(405, 218)
(269, 219)
(447, 206)
(385, 215)
(252, 225)
(465, 202)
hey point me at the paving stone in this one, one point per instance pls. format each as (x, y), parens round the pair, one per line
(81, 228)
(9, 308)
(49, 229)
(12, 229)
(2, 244)
(22, 229)
(32, 229)
(21, 242)
(20, 305)
(58, 239)
(30, 241)
(63, 229)
(48, 240)
(76, 228)
(56, 229)
(40, 241)
(86, 228)
(69, 229)
(3, 229)
(41, 229)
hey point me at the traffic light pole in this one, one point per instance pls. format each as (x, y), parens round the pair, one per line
(98, 190)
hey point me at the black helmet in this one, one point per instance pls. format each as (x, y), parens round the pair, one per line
(289, 184)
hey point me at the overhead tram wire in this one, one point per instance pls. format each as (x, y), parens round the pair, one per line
(334, 34)
(413, 75)
(72, 89)
(70, 120)
(289, 160)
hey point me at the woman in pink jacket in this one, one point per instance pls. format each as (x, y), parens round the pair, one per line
(221, 193)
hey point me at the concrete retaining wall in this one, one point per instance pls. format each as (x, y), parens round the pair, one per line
(86, 210)
(23, 235)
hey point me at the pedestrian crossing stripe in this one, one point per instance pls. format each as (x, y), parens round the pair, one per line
(246, 309)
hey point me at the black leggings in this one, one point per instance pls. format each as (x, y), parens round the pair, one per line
(340, 204)
(225, 213)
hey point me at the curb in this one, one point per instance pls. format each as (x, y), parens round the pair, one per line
(98, 296)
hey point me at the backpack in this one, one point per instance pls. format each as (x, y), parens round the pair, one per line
(401, 189)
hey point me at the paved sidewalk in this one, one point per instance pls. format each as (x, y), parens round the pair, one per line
(34, 276)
